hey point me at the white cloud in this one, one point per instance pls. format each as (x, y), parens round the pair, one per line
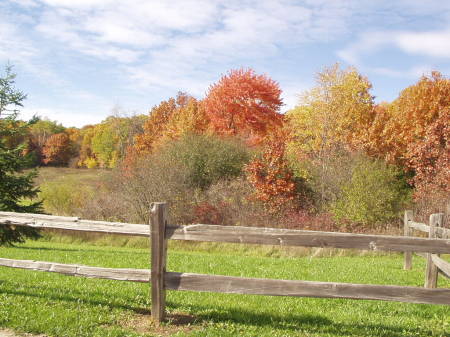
(157, 46)
(432, 44)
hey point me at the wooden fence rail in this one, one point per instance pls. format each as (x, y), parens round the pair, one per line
(435, 264)
(161, 280)
(244, 285)
(237, 234)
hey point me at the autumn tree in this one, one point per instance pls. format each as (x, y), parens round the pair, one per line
(58, 149)
(244, 103)
(412, 113)
(272, 178)
(39, 133)
(170, 120)
(430, 159)
(188, 119)
(331, 120)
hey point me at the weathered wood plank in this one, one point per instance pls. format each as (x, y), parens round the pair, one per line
(270, 287)
(78, 225)
(269, 236)
(158, 222)
(407, 264)
(252, 235)
(39, 216)
(419, 226)
(441, 264)
(431, 272)
(440, 231)
(241, 285)
(119, 274)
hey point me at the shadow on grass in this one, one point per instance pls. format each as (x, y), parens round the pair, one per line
(103, 251)
(306, 323)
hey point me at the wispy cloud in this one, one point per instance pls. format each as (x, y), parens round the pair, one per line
(432, 44)
(148, 48)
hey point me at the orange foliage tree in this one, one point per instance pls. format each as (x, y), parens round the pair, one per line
(272, 178)
(412, 113)
(57, 149)
(244, 103)
(169, 120)
(413, 132)
(430, 158)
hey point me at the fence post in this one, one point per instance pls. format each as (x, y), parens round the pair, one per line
(431, 272)
(158, 221)
(407, 232)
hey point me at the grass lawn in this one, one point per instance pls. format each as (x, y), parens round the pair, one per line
(61, 174)
(60, 305)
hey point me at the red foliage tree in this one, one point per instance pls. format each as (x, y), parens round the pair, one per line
(57, 149)
(430, 159)
(272, 178)
(244, 103)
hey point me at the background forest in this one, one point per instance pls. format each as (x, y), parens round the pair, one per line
(337, 161)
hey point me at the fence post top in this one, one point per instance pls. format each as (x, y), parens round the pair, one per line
(408, 215)
(437, 219)
(155, 205)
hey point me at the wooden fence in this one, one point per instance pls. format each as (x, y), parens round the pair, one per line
(161, 280)
(435, 264)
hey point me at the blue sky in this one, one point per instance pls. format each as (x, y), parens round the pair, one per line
(78, 60)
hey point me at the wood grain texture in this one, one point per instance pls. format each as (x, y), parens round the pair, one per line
(158, 221)
(431, 272)
(270, 287)
(241, 285)
(237, 234)
(72, 224)
(407, 263)
(440, 231)
(286, 237)
(119, 274)
(442, 265)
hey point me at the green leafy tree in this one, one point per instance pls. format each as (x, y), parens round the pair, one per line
(206, 159)
(15, 186)
(375, 194)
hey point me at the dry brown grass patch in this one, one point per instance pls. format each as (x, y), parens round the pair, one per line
(174, 323)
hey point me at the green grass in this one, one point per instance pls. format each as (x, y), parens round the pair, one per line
(60, 305)
(60, 174)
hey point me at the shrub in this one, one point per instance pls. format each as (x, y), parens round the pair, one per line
(155, 178)
(206, 158)
(65, 197)
(375, 194)
(206, 213)
(90, 162)
(231, 202)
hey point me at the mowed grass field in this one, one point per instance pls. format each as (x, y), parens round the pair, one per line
(59, 305)
(62, 174)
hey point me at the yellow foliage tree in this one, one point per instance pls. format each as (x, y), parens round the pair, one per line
(170, 120)
(331, 118)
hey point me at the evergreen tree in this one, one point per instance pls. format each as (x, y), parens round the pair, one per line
(15, 185)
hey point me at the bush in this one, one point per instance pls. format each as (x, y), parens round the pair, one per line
(65, 197)
(229, 202)
(207, 159)
(375, 194)
(155, 178)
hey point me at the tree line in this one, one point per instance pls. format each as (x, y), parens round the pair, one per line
(337, 151)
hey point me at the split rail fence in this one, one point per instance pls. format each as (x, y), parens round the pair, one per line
(161, 280)
(435, 265)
